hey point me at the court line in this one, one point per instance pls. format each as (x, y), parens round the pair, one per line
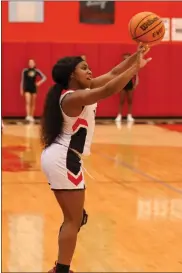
(150, 177)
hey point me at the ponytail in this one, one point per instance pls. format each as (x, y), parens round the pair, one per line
(52, 118)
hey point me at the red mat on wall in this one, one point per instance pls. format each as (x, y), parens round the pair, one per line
(158, 93)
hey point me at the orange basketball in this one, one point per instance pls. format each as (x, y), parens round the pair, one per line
(147, 27)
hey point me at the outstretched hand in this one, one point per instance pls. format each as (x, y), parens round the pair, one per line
(142, 50)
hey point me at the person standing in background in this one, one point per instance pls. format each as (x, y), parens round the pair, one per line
(28, 88)
(127, 92)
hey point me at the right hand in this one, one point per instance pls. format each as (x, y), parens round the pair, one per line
(142, 51)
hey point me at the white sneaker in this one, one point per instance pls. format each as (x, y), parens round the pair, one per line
(28, 118)
(130, 118)
(118, 118)
(32, 119)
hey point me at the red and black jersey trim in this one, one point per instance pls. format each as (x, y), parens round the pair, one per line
(79, 135)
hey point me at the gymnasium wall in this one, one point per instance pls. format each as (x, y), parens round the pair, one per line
(62, 23)
(159, 91)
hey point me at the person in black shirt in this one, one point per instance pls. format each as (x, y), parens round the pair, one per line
(127, 92)
(28, 87)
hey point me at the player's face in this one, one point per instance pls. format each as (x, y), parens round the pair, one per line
(83, 75)
(31, 63)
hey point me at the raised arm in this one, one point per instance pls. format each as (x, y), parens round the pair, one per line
(124, 65)
(73, 103)
(88, 97)
(136, 81)
(44, 78)
(22, 81)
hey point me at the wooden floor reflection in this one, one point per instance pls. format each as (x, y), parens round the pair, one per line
(134, 199)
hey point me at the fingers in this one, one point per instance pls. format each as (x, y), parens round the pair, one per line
(148, 60)
(139, 55)
(140, 47)
(147, 49)
(143, 48)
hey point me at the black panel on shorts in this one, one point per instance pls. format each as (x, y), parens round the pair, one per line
(73, 162)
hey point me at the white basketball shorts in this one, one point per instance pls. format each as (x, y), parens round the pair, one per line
(63, 168)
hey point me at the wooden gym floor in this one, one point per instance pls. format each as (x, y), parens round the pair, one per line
(134, 200)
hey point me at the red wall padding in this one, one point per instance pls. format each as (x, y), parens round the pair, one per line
(159, 92)
(61, 23)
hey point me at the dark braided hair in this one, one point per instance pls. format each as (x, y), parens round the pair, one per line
(52, 118)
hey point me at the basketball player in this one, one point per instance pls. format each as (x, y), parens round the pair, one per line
(127, 91)
(67, 128)
(28, 87)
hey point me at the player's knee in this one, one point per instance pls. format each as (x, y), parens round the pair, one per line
(69, 225)
(28, 103)
(84, 219)
(77, 223)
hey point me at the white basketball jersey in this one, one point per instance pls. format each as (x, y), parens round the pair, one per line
(77, 132)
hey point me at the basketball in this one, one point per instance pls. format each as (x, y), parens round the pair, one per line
(147, 27)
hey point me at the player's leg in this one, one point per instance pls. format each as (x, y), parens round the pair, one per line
(28, 105)
(121, 103)
(129, 95)
(64, 172)
(71, 203)
(33, 104)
